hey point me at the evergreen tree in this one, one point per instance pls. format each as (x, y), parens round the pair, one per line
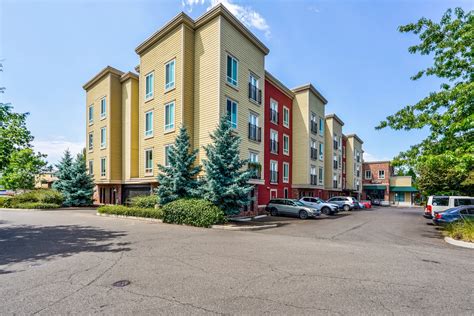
(64, 175)
(226, 184)
(81, 184)
(178, 179)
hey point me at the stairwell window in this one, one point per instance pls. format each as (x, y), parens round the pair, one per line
(103, 108)
(320, 175)
(91, 141)
(232, 112)
(232, 70)
(149, 124)
(286, 117)
(148, 161)
(169, 75)
(312, 175)
(167, 155)
(103, 166)
(286, 172)
(91, 114)
(169, 117)
(286, 144)
(255, 94)
(91, 167)
(103, 137)
(321, 126)
(321, 151)
(149, 79)
(273, 111)
(273, 171)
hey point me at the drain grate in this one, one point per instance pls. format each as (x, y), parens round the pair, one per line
(121, 283)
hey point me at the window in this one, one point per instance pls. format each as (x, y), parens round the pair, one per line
(149, 86)
(254, 165)
(335, 144)
(232, 70)
(286, 144)
(334, 162)
(334, 182)
(381, 174)
(314, 123)
(286, 117)
(285, 193)
(274, 141)
(465, 201)
(102, 166)
(440, 201)
(232, 112)
(91, 114)
(169, 75)
(273, 171)
(286, 172)
(167, 153)
(91, 167)
(339, 158)
(253, 157)
(273, 111)
(400, 197)
(148, 161)
(313, 176)
(91, 141)
(357, 156)
(169, 116)
(103, 137)
(255, 132)
(321, 151)
(314, 150)
(255, 93)
(358, 171)
(148, 123)
(368, 174)
(103, 108)
(321, 126)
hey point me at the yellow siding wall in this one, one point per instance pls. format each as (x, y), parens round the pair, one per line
(115, 128)
(130, 129)
(332, 128)
(188, 81)
(317, 106)
(400, 181)
(353, 144)
(300, 139)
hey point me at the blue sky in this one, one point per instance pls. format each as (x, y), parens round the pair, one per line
(350, 50)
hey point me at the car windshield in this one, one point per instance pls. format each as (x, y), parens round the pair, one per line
(298, 203)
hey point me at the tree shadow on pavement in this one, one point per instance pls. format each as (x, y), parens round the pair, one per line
(27, 243)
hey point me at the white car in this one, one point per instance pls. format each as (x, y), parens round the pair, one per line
(317, 203)
(437, 203)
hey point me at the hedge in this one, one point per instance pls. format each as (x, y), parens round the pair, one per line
(195, 212)
(144, 201)
(131, 211)
(37, 205)
(41, 196)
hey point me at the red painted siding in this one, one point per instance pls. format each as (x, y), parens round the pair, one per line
(273, 92)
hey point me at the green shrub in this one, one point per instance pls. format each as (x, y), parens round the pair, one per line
(42, 196)
(36, 205)
(131, 211)
(4, 201)
(462, 230)
(144, 201)
(195, 212)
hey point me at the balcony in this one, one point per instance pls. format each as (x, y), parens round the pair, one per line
(334, 184)
(314, 127)
(273, 116)
(314, 153)
(273, 146)
(255, 93)
(273, 176)
(335, 164)
(314, 179)
(335, 145)
(255, 133)
(256, 169)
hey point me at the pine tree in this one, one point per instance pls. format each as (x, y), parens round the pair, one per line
(226, 184)
(81, 184)
(178, 179)
(64, 175)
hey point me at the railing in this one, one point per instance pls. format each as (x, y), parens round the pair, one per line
(335, 164)
(256, 168)
(273, 176)
(314, 179)
(334, 184)
(314, 153)
(274, 146)
(273, 116)
(255, 132)
(314, 127)
(335, 144)
(255, 93)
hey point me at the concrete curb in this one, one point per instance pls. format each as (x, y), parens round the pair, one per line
(459, 243)
(245, 219)
(243, 228)
(132, 217)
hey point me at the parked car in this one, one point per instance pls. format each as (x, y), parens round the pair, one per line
(319, 204)
(346, 203)
(454, 214)
(438, 203)
(367, 204)
(291, 207)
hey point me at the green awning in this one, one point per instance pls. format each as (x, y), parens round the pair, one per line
(403, 189)
(374, 187)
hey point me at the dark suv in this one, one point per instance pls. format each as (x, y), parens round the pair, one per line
(346, 203)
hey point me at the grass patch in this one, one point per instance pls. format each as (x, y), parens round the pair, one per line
(131, 211)
(194, 212)
(461, 230)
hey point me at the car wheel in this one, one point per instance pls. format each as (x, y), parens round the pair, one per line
(303, 214)
(346, 208)
(326, 210)
(273, 212)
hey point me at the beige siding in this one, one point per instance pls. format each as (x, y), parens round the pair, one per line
(130, 129)
(301, 140)
(317, 106)
(352, 145)
(115, 130)
(332, 128)
(188, 81)
(400, 181)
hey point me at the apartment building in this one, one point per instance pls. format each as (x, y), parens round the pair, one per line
(278, 129)
(354, 160)
(333, 181)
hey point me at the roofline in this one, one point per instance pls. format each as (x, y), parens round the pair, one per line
(310, 87)
(100, 75)
(377, 161)
(356, 137)
(337, 118)
(182, 17)
(277, 83)
(128, 75)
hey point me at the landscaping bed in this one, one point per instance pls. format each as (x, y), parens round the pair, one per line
(36, 199)
(462, 230)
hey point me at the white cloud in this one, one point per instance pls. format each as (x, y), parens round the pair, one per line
(55, 148)
(248, 16)
(370, 157)
(313, 9)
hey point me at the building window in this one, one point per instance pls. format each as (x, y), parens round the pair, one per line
(368, 174)
(321, 151)
(320, 176)
(102, 166)
(255, 93)
(286, 144)
(148, 123)
(169, 75)
(357, 185)
(255, 132)
(103, 137)
(334, 162)
(169, 117)
(148, 161)
(339, 158)
(253, 157)
(273, 171)
(381, 174)
(91, 114)
(335, 144)
(149, 86)
(313, 150)
(103, 108)
(286, 117)
(286, 172)
(321, 126)
(334, 182)
(232, 112)
(285, 193)
(167, 155)
(273, 141)
(232, 70)
(357, 171)
(313, 176)
(357, 156)
(91, 141)
(273, 111)
(91, 167)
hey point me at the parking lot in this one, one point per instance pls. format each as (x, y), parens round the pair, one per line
(379, 261)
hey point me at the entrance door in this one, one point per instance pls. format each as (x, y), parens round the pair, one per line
(273, 194)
